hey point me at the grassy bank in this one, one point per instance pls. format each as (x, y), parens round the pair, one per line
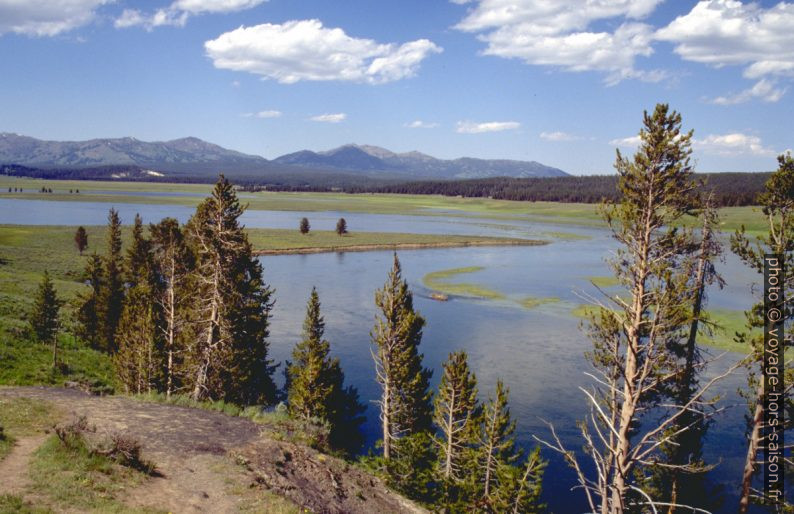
(426, 205)
(26, 251)
(274, 242)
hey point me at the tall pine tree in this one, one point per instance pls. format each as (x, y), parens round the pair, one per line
(405, 402)
(173, 264)
(316, 383)
(44, 318)
(111, 295)
(456, 416)
(137, 360)
(633, 340)
(229, 359)
(89, 324)
(496, 441)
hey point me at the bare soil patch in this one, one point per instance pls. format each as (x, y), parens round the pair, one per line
(194, 450)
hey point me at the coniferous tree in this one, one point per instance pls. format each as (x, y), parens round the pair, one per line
(405, 402)
(173, 263)
(456, 416)
(518, 488)
(44, 318)
(111, 297)
(680, 477)
(229, 359)
(315, 383)
(341, 227)
(777, 203)
(89, 327)
(632, 340)
(496, 441)
(304, 226)
(137, 359)
(81, 239)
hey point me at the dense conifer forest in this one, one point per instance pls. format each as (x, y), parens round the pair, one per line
(729, 189)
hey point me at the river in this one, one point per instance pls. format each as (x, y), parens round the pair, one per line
(537, 352)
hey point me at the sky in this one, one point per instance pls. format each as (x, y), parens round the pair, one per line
(563, 83)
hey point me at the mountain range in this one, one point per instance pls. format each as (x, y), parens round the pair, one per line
(193, 156)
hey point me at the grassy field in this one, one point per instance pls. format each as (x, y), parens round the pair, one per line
(427, 205)
(26, 251)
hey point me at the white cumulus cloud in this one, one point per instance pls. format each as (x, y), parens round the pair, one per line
(470, 127)
(728, 32)
(160, 18)
(46, 17)
(211, 6)
(263, 114)
(421, 124)
(557, 34)
(305, 50)
(764, 89)
(733, 144)
(627, 142)
(178, 12)
(329, 118)
(558, 136)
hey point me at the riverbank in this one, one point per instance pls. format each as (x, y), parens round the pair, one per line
(26, 251)
(464, 242)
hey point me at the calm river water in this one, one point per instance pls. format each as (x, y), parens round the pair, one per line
(537, 352)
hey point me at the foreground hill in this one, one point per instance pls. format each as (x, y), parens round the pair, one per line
(193, 158)
(204, 461)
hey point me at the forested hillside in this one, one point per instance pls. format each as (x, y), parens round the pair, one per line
(730, 189)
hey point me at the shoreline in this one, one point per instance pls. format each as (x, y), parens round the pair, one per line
(374, 247)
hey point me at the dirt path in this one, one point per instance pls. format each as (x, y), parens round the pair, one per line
(14, 468)
(192, 449)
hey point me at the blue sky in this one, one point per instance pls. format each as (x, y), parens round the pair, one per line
(563, 83)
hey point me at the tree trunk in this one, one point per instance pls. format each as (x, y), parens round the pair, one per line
(450, 435)
(755, 443)
(170, 336)
(55, 352)
(489, 458)
(386, 413)
(201, 377)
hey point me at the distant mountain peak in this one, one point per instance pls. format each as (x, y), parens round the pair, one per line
(191, 154)
(24, 150)
(368, 158)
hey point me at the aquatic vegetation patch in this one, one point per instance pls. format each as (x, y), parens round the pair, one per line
(530, 302)
(437, 281)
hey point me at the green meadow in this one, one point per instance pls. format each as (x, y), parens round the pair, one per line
(424, 205)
